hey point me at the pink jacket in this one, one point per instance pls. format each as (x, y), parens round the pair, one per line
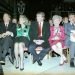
(61, 36)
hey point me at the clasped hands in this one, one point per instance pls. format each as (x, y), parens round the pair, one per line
(55, 38)
(7, 33)
(38, 42)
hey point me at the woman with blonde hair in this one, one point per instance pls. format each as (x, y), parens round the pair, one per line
(21, 41)
(57, 38)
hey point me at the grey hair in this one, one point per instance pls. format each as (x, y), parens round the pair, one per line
(57, 17)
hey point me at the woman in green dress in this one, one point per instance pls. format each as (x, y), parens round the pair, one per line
(21, 41)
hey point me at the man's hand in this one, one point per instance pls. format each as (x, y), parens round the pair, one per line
(4, 35)
(8, 33)
(38, 42)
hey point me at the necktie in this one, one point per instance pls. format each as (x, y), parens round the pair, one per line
(39, 30)
(6, 26)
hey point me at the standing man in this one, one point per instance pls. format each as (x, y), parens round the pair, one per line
(39, 34)
(70, 37)
(8, 32)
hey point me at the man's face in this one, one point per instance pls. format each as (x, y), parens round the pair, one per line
(40, 17)
(6, 18)
(72, 18)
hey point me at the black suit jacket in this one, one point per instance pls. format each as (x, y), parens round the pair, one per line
(11, 28)
(33, 33)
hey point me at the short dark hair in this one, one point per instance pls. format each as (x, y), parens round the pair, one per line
(42, 13)
(71, 14)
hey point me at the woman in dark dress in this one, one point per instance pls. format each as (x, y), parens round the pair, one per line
(21, 41)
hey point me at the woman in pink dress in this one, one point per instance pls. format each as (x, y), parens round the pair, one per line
(57, 38)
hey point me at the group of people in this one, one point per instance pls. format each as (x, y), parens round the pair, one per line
(16, 36)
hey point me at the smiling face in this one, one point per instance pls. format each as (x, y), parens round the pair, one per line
(21, 19)
(40, 17)
(56, 20)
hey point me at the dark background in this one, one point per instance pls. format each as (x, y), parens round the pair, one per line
(34, 6)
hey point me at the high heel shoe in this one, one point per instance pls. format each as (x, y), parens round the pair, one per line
(16, 67)
(65, 61)
(61, 64)
(21, 69)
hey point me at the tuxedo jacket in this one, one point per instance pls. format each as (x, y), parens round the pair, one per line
(33, 32)
(11, 27)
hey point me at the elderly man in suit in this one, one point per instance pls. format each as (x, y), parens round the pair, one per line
(8, 33)
(70, 37)
(39, 34)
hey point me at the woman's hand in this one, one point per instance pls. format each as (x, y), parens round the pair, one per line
(55, 38)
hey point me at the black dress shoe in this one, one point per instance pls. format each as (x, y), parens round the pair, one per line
(72, 64)
(2, 62)
(39, 63)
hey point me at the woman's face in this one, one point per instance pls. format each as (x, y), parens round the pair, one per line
(56, 22)
(21, 20)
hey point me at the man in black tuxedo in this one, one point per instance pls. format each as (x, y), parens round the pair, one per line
(39, 34)
(8, 33)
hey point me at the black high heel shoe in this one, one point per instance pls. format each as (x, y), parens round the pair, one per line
(16, 67)
(21, 69)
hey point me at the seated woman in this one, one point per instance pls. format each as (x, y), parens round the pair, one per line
(57, 38)
(21, 41)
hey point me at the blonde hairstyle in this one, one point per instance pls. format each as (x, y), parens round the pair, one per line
(57, 17)
(26, 21)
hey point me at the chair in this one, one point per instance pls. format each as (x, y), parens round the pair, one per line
(67, 53)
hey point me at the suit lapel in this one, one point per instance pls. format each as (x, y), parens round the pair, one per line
(4, 27)
(9, 26)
